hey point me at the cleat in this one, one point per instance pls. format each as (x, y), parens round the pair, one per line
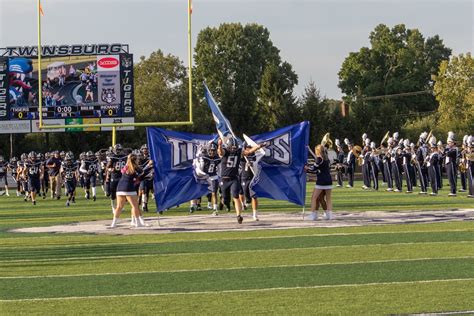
(240, 219)
(349, 186)
(221, 206)
(191, 210)
(389, 190)
(452, 194)
(422, 192)
(409, 192)
(215, 213)
(145, 208)
(94, 198)
(58, 197)
(34, 202)
(160, 212)
(460, 190)
(433, 194)
(67, 203)
(255, 218)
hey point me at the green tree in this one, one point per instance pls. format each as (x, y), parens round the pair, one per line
(454, 88)
(399, 60)
(315, 110)
(232, 59)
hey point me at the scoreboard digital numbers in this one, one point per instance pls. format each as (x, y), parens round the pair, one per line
(78, 81)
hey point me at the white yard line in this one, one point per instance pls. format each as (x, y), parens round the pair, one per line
(233, 291)
(224, 239)
(226, 252)
(231, 268)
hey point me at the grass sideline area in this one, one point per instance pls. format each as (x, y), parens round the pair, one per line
(380, 269)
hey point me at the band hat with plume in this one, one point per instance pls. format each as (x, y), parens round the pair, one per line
(450, 137)
(465, 140)
(367, 142)
(337, 142)
(440, 143)
(364, 137)
(395, 136)
(390, 141)
(406, 143)
(372, 145)
(347, 142)
(412, 145)
(423, 135)
(432, 141)
(470, 141)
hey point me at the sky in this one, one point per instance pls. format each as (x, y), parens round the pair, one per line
(313, 36)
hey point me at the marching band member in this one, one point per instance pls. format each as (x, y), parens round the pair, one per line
(462, 164)
(366, 163)
(450, 163)
(432, 162)
(470, 165)
(374, 166)
(422, 169)
(439, 174)
(407, 167)
(395, 159)
(387, 164)
(339, 163)
(350, 163)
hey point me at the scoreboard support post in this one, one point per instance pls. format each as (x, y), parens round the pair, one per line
(114, 135)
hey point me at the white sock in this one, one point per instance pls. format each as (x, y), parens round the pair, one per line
(133, 220)
(93, 191)
(215, 207)
(114, 222)
(145, 198)
(141, 221)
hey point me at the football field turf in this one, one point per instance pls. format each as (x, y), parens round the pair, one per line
(380, 269)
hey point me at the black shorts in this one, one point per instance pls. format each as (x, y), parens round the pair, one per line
(34, 185)
(230, 185)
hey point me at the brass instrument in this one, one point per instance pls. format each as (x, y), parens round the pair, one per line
(357, 152)
(326, 141)
(463, 162)
(384, 138)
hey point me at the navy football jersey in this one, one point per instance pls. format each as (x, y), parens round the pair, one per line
(69, 170)
(3, 167)
(117, 162)
(210, 165)
(33, 168)
(230, 163)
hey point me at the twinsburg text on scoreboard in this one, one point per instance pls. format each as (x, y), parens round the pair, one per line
(78, 83)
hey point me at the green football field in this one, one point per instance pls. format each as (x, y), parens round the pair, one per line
(379, 269)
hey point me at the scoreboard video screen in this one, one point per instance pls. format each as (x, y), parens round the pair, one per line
(79, 81)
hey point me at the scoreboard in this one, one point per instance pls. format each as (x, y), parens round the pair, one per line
(78, 82)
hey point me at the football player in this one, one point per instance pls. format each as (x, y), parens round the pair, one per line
(229, 178)
(33, 170)
(146, 185)
(88, 170)
(70, 174)
(3, 173)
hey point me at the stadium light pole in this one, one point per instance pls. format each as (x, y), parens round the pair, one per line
(190, 60)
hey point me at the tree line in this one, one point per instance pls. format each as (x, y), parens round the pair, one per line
(427, 89)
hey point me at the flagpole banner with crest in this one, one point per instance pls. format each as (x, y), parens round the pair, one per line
(174, 155)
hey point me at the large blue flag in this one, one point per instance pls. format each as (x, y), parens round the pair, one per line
(280, 174)
(173, 153)
(222, 124)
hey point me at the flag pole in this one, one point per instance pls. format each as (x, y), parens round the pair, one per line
(190, 62)
(40, 87)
